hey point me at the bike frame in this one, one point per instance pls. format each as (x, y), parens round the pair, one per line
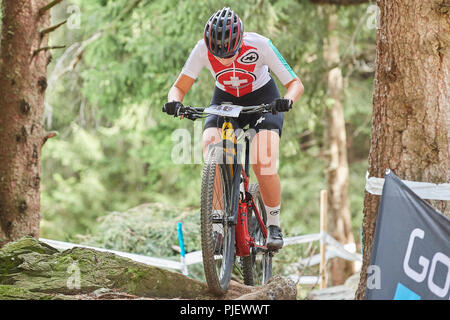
(245, 201)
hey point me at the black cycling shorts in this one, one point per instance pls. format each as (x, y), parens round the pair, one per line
(257, 121)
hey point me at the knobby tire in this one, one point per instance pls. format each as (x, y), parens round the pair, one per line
(217, 270)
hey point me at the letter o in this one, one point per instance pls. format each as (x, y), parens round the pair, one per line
(440, 292)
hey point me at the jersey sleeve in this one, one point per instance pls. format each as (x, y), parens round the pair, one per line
(196, 61)
(278, 64)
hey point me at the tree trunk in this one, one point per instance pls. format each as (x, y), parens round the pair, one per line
(411, 104)
(22, 87)
(339, 223)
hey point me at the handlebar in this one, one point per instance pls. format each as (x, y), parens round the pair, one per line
(194, 113)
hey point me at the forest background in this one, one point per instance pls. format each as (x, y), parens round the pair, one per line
(114, 146)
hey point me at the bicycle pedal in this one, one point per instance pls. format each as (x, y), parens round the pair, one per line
(217, 216)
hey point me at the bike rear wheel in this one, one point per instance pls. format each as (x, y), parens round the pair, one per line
(217, 232)
(257, 267)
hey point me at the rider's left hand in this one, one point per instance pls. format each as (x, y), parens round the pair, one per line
(281, 105)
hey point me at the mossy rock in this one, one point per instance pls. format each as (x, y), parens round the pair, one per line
(30, 269)
(8, 292)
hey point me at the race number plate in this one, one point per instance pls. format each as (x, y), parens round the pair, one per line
(224, 110)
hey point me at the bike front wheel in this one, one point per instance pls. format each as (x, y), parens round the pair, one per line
(217, 232)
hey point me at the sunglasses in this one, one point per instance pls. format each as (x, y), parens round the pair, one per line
(231, 55)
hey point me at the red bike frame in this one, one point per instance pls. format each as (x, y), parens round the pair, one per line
(243, 239)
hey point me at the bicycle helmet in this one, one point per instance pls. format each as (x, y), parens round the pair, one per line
(223, 33)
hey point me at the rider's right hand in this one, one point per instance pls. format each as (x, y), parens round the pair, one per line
(172, 107)
(281, 105)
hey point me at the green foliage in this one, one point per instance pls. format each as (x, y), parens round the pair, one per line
(149, 229)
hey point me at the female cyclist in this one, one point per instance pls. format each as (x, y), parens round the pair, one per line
(240, 63)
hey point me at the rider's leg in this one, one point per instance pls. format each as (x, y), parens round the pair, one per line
(210, 135)
(264, 157)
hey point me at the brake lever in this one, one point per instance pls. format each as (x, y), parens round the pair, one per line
(190, 113)
(190, 116)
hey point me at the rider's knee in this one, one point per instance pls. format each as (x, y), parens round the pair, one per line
(210, 135)
(264, 155)
(265, 170)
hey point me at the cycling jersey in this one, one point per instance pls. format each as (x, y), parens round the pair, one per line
(248, 72)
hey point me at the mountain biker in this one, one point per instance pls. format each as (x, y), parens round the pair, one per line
(240, 63)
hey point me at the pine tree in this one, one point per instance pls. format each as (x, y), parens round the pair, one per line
(24, 56)
(411, 103)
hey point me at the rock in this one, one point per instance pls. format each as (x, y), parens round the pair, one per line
(277, 288)
(9, 292)
(109, 294)
(102, 291)
(236, 289)
(36, 269)
(33, 270)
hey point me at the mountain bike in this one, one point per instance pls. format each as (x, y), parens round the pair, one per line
(233, 216)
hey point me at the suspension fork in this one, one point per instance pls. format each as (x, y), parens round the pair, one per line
(230, 159)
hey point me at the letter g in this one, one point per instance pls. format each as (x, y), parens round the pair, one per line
(424, 262)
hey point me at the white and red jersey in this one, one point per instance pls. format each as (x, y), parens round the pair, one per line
(248, 72)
